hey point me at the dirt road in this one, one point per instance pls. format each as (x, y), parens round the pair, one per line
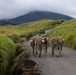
(65, 65)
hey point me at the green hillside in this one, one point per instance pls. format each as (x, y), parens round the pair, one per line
(8, 47)
(7, 52)
(68, 30)
(25, 28)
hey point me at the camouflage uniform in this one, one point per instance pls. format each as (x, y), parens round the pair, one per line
(39, 44)
(33, 43)
(54, 44)
(45, 44)
(60, 44)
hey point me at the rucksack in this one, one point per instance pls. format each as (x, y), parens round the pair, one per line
(54, 41)
(39, 41)
(33, 41)
(46, 41)
(60, 40)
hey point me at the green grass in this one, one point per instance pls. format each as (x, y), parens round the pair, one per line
(26, 28)
(7, 52)
(68, 31)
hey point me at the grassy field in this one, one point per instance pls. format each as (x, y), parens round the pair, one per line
(68, 31)
(7, 52)
(25, 28)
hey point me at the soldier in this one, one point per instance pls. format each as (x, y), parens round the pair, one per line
(39, 44)
(33, 43)
(60, 44)
(45, 44)
(54, 45)
(27, 38)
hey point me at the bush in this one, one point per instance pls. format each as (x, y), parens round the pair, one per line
(71, 40)
(14, 37)
(7, 52)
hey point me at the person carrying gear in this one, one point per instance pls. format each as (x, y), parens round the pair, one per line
(33, 43)
(45, 44)
(60, 43)
(39, 44)
(36, 48)
(54, 44)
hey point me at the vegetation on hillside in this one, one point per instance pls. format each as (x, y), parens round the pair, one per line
(7, 52)
(29, 27)
(68, 31)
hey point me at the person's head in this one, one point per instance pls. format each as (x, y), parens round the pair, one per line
(53, 35)
(45, 35)
(39, 34)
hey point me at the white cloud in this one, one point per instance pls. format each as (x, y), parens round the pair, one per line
(14, 8)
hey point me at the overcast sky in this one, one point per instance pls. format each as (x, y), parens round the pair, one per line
(14, 8)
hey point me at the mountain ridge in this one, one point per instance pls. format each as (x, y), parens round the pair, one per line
(38, 15)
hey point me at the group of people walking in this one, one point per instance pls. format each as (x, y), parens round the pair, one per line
(41, 42)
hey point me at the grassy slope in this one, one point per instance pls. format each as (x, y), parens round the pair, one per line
(26, 27)
(7, 52)
(68, 30)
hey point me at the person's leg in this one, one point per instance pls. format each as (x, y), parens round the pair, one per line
(52, 50)
(57, 50)
(60, 49)
(40, 50)
(45, 49)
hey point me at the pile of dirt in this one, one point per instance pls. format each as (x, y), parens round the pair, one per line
(27, 67)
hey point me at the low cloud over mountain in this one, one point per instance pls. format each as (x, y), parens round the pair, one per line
(14, 8)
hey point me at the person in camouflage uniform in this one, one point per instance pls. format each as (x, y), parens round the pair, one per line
(54, 44)
(60, 44)
(33, 43)
(39, 44)
(45, 44)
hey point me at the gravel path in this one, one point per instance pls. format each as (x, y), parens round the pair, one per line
(65, 65)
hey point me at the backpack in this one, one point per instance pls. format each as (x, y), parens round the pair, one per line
(54, 41)
(32, 41)
(46, 41)
(39, 41)
(43, 40)
(60, 40)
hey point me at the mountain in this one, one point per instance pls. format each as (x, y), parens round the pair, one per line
(4, 23)
(38, 15)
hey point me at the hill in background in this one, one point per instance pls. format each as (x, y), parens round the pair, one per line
(38, 15)
(30, 27)
(4, 23)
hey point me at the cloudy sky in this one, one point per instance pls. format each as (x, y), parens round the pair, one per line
(14, 8)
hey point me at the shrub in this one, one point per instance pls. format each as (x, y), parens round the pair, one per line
(7, 52)
(14, 37)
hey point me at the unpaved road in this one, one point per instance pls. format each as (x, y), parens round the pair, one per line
(65, 65)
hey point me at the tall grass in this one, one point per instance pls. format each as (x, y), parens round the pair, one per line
(7, 52)
(68, 31)
(26, 28)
